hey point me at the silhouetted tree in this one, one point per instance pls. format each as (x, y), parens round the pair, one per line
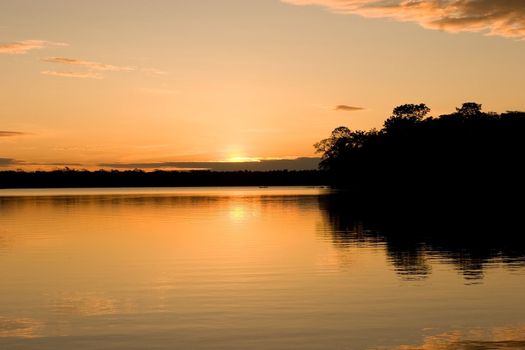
(406, 115)
(469, 109)
(468, 154)
(344, 145)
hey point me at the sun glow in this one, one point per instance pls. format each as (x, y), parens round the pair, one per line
(239, 159)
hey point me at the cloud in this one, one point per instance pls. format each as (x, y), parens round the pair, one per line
(10, 162)
(304, 163)
(24, 46)
(71, 74)
(504, 18)
(93, 69)
(58, 164)
(346, 108)
(4, 162)
(11, 133)
(92, 66)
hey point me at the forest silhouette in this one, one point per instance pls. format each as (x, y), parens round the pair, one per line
(465, 160)
(70, 178)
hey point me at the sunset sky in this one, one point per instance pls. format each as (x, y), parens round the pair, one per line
(108, 82)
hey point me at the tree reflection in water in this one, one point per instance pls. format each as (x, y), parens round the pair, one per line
(413, 237)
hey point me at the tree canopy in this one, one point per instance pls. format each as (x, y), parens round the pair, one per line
(464, 151)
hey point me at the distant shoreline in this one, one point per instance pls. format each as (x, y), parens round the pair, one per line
(68, 178)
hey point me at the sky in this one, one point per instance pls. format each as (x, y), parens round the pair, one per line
(161, 83)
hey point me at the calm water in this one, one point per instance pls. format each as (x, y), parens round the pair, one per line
(242, 268)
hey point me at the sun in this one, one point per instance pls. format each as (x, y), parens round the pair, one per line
(240, 159)
(237, 154)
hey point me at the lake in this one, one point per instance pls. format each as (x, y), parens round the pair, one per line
(245, 268)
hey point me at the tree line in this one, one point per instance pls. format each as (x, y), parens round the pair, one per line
(452, 159)
(69, 178)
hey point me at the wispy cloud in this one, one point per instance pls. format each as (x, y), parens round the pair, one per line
(504, 18)
(304, 163)
(4, 133)
(24, 46)
(93, 70)
(346, 108)
(58, 164)
(71, 74)
(11, 162)
(5, 162)
(92, 66)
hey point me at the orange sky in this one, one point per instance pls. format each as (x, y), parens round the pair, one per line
(136, 81)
